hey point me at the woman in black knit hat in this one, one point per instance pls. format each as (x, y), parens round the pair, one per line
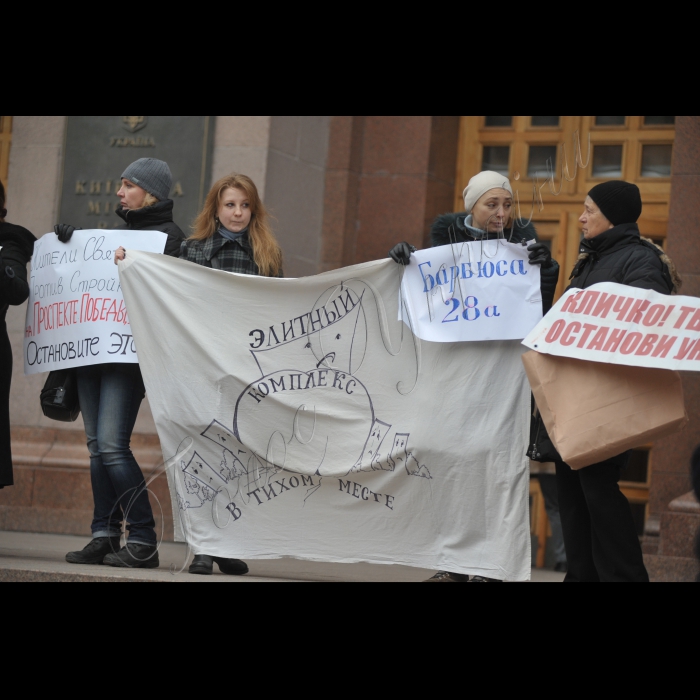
(16, 247)
(599, 532)
(110, 395)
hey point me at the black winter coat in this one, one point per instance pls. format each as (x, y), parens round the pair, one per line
(217, 251)
(158, 217)
(17, 246)
(621, 255)
(450, 228)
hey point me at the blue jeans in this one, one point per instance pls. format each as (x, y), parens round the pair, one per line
(110, 396)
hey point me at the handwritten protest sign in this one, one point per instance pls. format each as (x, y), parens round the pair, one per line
(76, 313)
(299, 417)
(482, 290)
(622, 325)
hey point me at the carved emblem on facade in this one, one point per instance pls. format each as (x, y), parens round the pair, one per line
(133, 124)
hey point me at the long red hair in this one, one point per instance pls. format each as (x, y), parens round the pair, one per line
(266, 251)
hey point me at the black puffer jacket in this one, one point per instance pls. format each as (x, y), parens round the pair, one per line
(621, 255)
(450, 228)
(158, 217)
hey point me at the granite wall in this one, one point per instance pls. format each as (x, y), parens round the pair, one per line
(671, 455)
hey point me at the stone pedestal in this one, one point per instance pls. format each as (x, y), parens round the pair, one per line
(679, 526)
(673, 515)
(52, 490)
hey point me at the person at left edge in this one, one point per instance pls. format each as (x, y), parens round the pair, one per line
(110, 395)
(16, 247)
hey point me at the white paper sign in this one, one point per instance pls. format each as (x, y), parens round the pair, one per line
(76, 313)
(299, 418)
(623, 325)
(482, 290)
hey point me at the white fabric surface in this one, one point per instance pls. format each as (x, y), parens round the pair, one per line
(416, 454)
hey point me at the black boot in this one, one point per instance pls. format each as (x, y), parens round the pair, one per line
(204, 564)
(135, 556)
(232, 567)
(94, 551)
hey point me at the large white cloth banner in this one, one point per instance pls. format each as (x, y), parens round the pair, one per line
(76, 313)
(300, 418)
(481, 290)
(623, 325)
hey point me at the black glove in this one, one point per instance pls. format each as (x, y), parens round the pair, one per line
(401, 253)
(65, 231)
(539, 255)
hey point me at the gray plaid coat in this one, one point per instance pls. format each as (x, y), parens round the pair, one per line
(232, 256)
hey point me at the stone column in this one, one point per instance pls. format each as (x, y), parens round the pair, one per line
(386, 180)
(674, 512)
(33, 194)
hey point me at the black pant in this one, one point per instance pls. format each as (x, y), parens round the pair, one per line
(5, 379)
(599, 532)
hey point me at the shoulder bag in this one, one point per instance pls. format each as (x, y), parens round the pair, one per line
(541, 448)
(59, 397)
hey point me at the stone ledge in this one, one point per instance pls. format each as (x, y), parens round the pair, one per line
(50, 448)
(56, 520)
(687, 503)
(28, 575)
(671, 569)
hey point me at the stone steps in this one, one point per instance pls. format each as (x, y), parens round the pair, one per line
(41, 557)
(52, 490)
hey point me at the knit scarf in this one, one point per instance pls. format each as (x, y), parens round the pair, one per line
(230, 235)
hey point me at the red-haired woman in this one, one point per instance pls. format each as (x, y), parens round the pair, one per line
(232, 233)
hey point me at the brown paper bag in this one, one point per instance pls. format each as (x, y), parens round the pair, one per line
(594, 410)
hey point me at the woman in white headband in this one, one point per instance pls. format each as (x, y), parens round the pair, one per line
(488, 214)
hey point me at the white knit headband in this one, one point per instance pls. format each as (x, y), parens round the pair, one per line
(480, 184)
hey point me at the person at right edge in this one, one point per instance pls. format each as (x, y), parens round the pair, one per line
(488, 201)
(599, 532)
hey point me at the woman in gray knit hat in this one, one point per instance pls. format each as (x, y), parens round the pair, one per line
(110, 395)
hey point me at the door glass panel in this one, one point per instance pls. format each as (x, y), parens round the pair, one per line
(656, 160)
(610, 121)
(537, 161)
(653, 121)
(498, 121)
(607, 161)
(544, 121)
(496, 158)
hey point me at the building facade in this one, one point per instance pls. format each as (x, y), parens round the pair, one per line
(344, 190)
